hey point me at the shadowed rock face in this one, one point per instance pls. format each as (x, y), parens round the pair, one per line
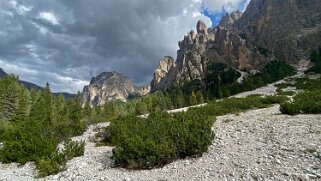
(285, 30)
(111, 86)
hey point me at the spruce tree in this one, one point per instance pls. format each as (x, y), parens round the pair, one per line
(24, 104)
(87, 110)
(193, 99)
(9, 102)
(200, 97)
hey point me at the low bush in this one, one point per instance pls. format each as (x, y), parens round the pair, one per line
(73, 149)
(315, 57)
(56, 162)
(53, 164)
(159, 139)
(308, 84)
(162, 138)
(308, 102)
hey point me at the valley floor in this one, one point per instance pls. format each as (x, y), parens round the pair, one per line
(259, 144)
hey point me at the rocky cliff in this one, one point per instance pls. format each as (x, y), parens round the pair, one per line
(287, 28)
(197, 48)
(269, 29)
(111, 86)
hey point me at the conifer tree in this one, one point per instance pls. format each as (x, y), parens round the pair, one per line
(200, 97)
(48, 99)
(9, 100)
(193, 99)
(141, 108)
(23, 104)
(87, 110)
(109, 109)
(180, 99)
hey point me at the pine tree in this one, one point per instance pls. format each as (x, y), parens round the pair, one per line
(48, 99)
(87, 110)
(109, 109)
(9, 101)
(141, 108)
(180, 99)
(23, 104)
(75, 108)
(200, 97)
(193, 99)
(314, 56)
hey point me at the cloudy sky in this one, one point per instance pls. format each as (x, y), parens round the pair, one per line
(66, 42)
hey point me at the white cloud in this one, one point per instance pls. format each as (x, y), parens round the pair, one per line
(49, 17)
(23, 9)
(228, 5)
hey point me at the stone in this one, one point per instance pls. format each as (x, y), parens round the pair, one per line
(109, 86)
(287, 29)
(268, 30)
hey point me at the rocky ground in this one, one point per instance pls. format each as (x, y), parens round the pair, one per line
(256, 145)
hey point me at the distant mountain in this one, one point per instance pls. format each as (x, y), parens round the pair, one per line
(30, 85)
(111, 86)
(2, 73)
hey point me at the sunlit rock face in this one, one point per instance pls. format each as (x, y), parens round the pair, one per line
(109, 86)
(197, 48)
(289, 29)
(269, 29)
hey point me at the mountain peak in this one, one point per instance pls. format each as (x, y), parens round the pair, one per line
(107, 75)
(2, 72)
(201, 27)
(109, 86)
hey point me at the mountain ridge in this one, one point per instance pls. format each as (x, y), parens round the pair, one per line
(268, 30)
(30, 85)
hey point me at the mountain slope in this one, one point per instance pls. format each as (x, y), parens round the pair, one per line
(288, 29)
(2, 73)
(268, 30)
(111, 86)
(30, 85)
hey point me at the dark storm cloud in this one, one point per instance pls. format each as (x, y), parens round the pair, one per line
(66, 42)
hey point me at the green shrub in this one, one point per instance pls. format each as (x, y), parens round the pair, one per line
(51, 165)
(24, 143)
(73, 148)
(159, 139)
(162, 138)
(56, 162)
(279, 99)
(290, 108)
(308, 84)
(308, 102)
(315, 57)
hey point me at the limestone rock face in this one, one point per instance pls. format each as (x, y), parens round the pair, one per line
(287, 28)
(161, 78)
(110, 86)
(218, 44)
(228, 20)
(237, 52)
